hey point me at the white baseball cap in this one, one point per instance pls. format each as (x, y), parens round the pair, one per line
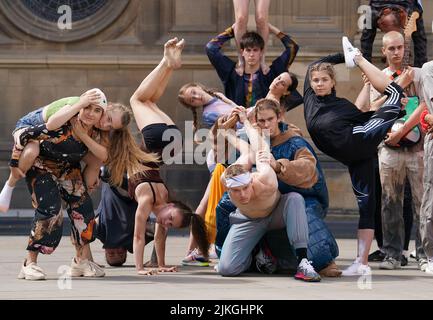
(103, 101)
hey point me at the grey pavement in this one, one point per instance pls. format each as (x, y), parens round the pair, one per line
(194, 283)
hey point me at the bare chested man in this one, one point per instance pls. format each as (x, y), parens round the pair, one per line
(260, 207)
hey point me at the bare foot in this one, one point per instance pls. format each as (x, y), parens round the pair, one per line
(173, 52)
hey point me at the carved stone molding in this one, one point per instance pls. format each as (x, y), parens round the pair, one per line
(39, 23)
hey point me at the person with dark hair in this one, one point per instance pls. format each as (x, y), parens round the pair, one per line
(246, 89)
(342, 131)
(147, 187)
(215, 105)
(241, 21)
(194, 96)
(390, 15)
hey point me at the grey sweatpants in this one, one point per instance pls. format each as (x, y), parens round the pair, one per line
(426, 214)
(245, 233)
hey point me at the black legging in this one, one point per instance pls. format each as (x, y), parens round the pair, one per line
(366, 138)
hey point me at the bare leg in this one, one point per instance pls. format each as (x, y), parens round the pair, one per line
(240, 27)
(32, 256)
(365, 238)
(153, 86)
(377, 78)
(262, 20)
(27, 158)
(84, 253)
(155, 83)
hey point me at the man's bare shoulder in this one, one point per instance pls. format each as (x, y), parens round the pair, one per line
(262, 189)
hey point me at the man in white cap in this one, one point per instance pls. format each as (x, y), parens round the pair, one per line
(260, 207)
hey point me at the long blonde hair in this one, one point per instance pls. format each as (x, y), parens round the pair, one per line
(124, 155)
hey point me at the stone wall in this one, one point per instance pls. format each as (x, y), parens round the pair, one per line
(116, 56)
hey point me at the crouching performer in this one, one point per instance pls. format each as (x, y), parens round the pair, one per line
(260, 208)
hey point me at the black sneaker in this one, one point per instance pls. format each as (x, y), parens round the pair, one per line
(376, 256)
(404, 261)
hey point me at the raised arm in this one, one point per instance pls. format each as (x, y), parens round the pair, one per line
(283, 62)
(336, 58)
(222, 64)
(66, 113)
(363, 100)
(265, 174)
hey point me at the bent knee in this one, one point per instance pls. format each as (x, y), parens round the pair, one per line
(228, 270)
(241, 21)
(261, 21)
(31, 149)
(295, 198)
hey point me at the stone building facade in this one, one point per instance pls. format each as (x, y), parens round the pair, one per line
(114, 44)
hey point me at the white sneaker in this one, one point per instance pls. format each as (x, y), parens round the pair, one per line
(349, 53)
(429, 267)
(356, 269)
(86, 268)
(422, 264)
(31, 272)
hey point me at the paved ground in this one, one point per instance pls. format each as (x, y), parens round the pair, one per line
(192, 283)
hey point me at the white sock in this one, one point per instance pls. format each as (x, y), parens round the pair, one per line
(5, 197)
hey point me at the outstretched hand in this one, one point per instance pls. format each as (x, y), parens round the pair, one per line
(89, 97)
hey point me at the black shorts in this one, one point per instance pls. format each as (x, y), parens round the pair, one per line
(152, 135)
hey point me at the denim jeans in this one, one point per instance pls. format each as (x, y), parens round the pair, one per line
(31, 119)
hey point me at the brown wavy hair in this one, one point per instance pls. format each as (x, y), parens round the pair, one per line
(124, 155)
(182, 100)
(198, 226)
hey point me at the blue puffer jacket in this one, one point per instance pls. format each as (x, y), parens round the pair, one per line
(322, 247)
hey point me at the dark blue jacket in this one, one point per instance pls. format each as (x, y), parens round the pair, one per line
(234, 86)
